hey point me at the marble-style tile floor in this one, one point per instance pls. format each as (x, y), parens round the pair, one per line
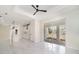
(29, 47)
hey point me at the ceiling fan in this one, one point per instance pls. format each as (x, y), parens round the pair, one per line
(36, 8)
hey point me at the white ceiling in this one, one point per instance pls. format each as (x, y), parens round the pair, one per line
(12, 15)
(25, 12)
(52, 11)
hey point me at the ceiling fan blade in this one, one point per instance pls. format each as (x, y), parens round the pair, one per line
(33, 6)
(43, 10)
(35, 12)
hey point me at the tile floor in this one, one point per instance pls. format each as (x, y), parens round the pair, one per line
(29, 47)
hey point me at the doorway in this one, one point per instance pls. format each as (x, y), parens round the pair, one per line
(54, 32)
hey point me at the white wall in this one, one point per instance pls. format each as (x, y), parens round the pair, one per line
(72, 32)
(35, 31)
(4, 32)
(4, 35)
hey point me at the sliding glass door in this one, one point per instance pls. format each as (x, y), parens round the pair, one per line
(54, 32)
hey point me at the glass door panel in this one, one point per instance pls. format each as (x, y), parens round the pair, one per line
(50, 32)
(54, 32)
(62, 32)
